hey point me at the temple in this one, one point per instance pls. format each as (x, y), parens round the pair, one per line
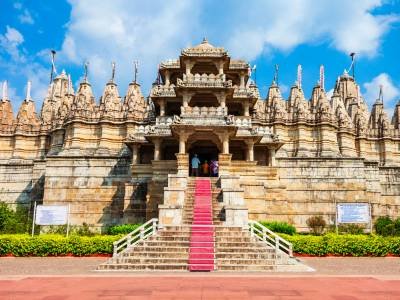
(126, 159)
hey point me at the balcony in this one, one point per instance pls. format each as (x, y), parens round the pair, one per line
(204, 81)
(245, 93)
(170, 64)
(163, 91)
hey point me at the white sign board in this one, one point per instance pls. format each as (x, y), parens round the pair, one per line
(51, 215)
(353, 213)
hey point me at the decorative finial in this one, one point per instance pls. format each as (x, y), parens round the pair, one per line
(322, 77)
(204, 40)
(53, 65)
(353, 63)
(112, 71)
(86, 66)
(380, 97)
(5, 91)
(69, 84)
(299, 76)
(136, 69)
(28, 90)
(276, 74)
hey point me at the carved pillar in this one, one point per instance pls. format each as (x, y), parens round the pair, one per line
(182, 161)
(272, 153)
(246, 112)
(157, 149)
(225, 144)
(250, 150)
(189, 65)
(182, 143)
(167, 78)
(242, 80)
(162, 107)
(135, 154)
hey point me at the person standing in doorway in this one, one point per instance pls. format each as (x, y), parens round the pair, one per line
(205, 168)
(195, 165)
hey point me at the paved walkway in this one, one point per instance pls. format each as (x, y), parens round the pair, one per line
(74, 278)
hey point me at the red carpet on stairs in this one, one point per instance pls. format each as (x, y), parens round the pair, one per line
(201, 251)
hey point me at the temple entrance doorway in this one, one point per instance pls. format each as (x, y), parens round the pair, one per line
(206, 150)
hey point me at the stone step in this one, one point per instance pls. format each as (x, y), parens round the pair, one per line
(153, 254)
(236, 267)
(157, 249)
(243, 255)
(243, 261)
(248, 249)
(151, 260)
(152, 267)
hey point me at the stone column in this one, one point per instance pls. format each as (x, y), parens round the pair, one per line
(182, 143)
(242, 80)
(225, 144)
(250, 150)
(162, 108)
(182, 161)
(157, 150)
(135, 154)
(246, 112)
(167, 78)
(221, 68)
(272, 153)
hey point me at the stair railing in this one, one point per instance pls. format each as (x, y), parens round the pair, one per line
(136, 236)
(271, 238)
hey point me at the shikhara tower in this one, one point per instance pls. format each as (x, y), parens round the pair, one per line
(126, 158)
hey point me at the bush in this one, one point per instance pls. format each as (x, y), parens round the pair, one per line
(344, 245)
(386, 226)
(279, 227)
(316, 224)
(55, 245)
(13, 221)
(123, 229)
(351, 228)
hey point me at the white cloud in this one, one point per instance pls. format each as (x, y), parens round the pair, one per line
(123, 31)
(348, 26)
(390, 91)
(26, 17)
(10, 42)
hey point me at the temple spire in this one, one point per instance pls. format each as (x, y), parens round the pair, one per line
(380, 97)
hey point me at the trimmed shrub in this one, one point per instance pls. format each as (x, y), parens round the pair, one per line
(13, 221)
(385, 226)
(316, 224)
(279, 227)
(122, 229)
(351, 228)
(344, 245)
(55, 245)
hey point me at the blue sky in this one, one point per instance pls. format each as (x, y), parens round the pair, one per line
(286, 32)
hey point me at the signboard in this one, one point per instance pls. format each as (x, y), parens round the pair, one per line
(51, 215)
(353, 213)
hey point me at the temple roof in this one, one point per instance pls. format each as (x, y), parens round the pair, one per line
(204, 49)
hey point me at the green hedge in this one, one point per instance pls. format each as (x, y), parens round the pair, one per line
(122, 229)
(330, 244)
(55, 245)
(344, 245)
(279, 227)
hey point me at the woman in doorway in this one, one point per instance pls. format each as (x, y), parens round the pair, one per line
(205, 169)
(214, 168)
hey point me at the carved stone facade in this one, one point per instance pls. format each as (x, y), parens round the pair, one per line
(127, 157)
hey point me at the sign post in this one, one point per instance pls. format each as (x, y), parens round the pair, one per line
(51, 215)
(353, 213)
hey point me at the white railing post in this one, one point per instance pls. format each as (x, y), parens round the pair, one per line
(264, 234)
(276, 246)
(142, 233)
(154, 225)
(115, 251)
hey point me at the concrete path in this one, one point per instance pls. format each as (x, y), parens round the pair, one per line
(74, 278)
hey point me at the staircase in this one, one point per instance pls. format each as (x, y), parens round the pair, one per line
(201, 242)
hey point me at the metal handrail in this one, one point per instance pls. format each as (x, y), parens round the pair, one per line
(136, 236)
(271, 238)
